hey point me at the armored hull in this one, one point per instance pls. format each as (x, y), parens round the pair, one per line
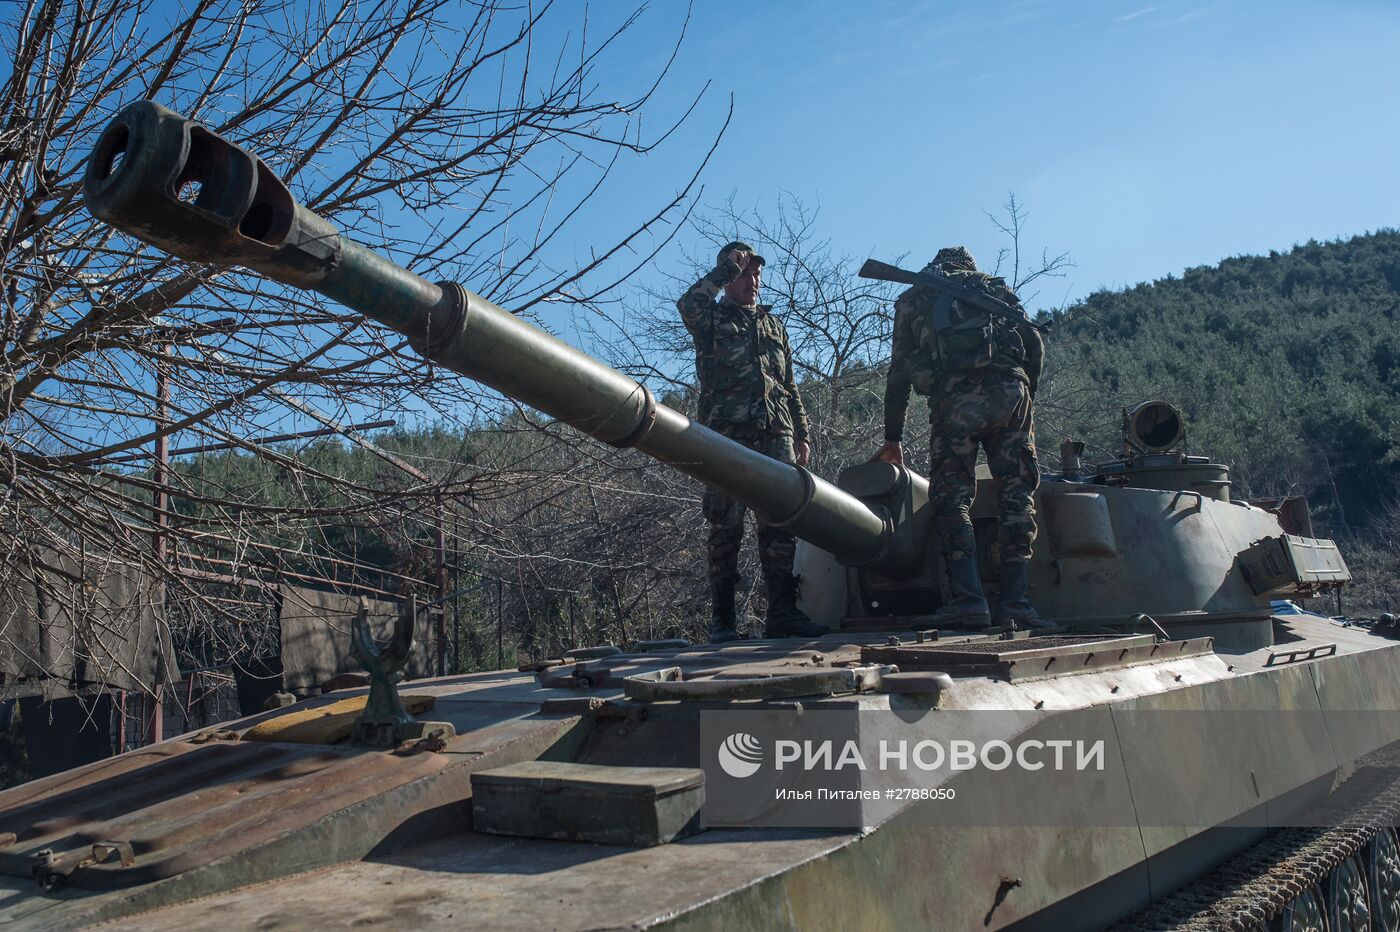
(238, 828)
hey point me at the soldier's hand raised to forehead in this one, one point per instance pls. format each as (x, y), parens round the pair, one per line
(739, 257)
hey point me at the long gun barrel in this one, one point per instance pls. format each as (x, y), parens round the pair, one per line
(149, 156)
(883, 271)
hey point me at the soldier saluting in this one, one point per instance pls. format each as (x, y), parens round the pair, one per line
(979, 363)
(748, 394)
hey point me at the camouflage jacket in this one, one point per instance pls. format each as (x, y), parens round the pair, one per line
(743, 362)
(977, 343)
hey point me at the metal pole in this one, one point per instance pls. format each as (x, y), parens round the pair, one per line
(500, 616)
(253, 441)
(457, 665)
(162, 452)
(651, 629)
(617, 602)
(121, 721)
(155, 725)
(440, 626)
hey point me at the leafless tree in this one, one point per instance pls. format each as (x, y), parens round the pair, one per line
(603, 549)
(451, 135)
(1018, 271)
(1064, 402)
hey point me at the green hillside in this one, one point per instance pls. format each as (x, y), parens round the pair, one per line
(1287, 367)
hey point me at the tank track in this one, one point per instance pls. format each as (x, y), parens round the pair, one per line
(1254, 886)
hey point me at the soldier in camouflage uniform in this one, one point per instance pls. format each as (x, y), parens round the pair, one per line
(980, 375)
(747, 393)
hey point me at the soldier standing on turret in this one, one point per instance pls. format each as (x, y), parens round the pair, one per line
(980, 373)
(748, 394)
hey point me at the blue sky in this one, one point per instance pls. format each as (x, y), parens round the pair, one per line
(1144, 137)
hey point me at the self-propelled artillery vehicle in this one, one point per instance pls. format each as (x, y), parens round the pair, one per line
(1246, 775)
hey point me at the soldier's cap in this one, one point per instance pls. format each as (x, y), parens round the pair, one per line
(955, 257)
(739, 244)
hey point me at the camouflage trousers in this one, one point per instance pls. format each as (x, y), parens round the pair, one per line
(995, 413)
(776, 548)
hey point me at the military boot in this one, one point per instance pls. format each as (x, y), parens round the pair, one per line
(966, 607)
(784, 619)
(723, 627)
(1015, 608)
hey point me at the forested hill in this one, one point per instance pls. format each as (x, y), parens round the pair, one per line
(1287, 366)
